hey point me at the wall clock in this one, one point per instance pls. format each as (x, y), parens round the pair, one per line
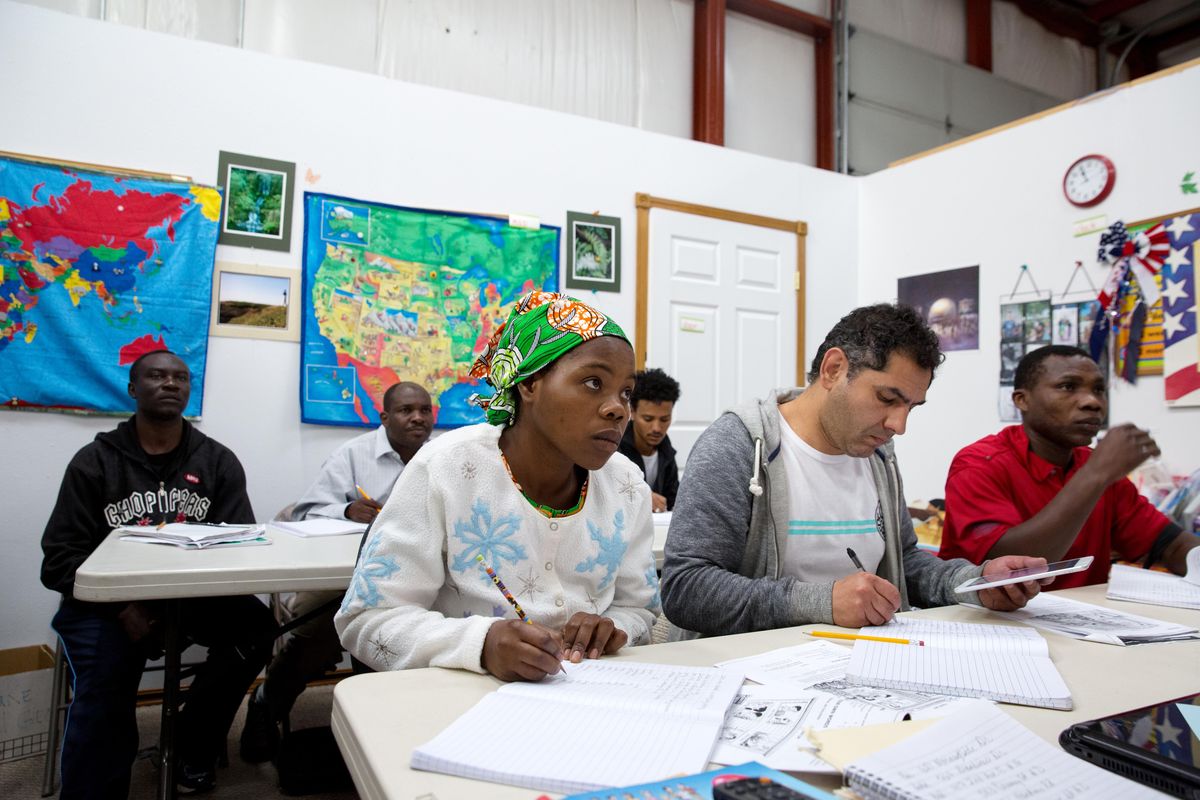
(1089, 180)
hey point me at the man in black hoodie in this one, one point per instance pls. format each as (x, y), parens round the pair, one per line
(154, 468)
(646, 442)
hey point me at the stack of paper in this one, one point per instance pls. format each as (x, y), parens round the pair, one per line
(319, 526)
(1094, 623)
(793, 668)
(607, 723)
(1155, 588)
(195, 535)
(1005, 663)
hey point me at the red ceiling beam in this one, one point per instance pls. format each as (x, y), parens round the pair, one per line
(979, 34)
(784, 16)
(824, 102)
(821, 31)
(708, 72)
(1110, 8)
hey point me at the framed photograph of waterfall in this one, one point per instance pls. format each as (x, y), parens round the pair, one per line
(257, 208)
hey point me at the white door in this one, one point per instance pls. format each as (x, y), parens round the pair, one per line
(721, 314)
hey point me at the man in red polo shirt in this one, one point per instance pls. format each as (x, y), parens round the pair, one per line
(1037, 488)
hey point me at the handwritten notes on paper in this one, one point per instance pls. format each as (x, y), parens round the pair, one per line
(981, 753)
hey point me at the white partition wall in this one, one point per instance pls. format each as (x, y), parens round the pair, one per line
(120, 96)
(998, 202)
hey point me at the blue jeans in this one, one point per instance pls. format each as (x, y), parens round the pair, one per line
(101, 739)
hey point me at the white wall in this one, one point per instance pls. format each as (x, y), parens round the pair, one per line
(998, 202)
(119, 96)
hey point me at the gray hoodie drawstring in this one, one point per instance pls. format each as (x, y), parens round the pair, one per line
(755, 484)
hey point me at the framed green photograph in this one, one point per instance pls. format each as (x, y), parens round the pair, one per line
(257, 211)
(593, 252)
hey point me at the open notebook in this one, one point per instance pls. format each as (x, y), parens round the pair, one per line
(1155, 588)
(608, 723)
(195, 535)
(981, 753)
(999, 662)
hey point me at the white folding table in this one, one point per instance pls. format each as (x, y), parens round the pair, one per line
(120, 571)
(380, 718)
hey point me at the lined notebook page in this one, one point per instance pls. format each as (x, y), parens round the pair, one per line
(963, 635)
(981, 753)
(1155, 588)
(999, 662)
(609, 724)
(697, 691)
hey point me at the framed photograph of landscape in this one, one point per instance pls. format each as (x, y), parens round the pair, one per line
(593, 252)
(257, 211)
(255, 302)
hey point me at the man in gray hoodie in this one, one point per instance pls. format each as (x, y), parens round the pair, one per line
(792, 511)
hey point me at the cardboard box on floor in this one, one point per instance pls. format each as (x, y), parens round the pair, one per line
(26, 680)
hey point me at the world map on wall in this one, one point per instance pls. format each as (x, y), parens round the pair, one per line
(99, 269)
(397, 294)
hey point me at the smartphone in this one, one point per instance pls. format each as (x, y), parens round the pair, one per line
(1025, 574)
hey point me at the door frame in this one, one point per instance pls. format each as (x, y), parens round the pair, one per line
(645, 202)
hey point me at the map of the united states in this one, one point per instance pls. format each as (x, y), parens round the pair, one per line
(395, 294)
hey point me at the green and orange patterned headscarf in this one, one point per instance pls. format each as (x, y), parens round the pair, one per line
(540, 328)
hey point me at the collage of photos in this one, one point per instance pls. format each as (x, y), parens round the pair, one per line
(1026, 326)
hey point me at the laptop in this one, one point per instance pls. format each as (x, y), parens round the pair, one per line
(1158, 745)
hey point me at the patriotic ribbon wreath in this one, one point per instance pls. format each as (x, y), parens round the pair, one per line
(1138, 256)
(1142, 253)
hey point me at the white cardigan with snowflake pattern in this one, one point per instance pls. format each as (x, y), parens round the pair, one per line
(419, 597)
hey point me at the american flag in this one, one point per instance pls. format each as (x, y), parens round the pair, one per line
(1181, 357)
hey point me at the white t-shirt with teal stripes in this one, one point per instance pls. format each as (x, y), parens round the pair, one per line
(834, 505)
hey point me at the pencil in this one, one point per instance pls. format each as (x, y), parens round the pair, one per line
(836, 635)
(504, 590)
(508, 596)
(365, 496)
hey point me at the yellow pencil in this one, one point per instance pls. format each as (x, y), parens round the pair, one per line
(836, 635)
(365, 496)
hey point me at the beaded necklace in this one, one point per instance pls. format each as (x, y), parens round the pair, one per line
(542, 507)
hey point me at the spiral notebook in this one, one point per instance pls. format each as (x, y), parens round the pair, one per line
(1154, 588)
(981, 753)
(608, 723)
(1005, 663)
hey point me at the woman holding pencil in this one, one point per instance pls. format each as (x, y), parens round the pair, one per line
(511, 546)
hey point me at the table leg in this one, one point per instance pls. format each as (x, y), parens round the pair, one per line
(166, 734)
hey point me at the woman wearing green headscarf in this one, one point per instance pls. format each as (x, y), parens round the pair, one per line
(540, 493)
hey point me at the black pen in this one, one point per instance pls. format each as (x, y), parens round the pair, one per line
(854, 558)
